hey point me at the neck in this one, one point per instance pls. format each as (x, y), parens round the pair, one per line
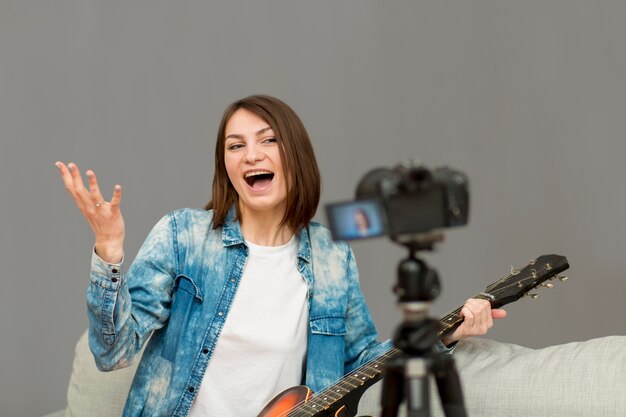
(263, 228)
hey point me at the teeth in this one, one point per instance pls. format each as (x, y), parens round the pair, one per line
(250, 174)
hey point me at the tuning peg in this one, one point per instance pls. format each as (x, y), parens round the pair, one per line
(533, 296)
(547, 285)
(514, 271)
(562, 278)
(532, 262)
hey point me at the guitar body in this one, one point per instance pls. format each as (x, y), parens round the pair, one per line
(286, 401)
(289, 400)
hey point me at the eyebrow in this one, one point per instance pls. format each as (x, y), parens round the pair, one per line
(260, 132)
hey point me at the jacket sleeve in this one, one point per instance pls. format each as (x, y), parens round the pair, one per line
(123, 310)
(361, 335)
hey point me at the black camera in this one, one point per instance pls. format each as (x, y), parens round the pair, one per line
(405, 202)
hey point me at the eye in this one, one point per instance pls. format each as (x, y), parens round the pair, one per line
(234, 146)
(270, 140)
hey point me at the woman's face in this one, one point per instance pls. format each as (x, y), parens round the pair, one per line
(253, 164)
(361, 221)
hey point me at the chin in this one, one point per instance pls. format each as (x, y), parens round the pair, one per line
(267, 206)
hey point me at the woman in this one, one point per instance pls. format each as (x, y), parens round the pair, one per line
(240, 300)
(361, 223)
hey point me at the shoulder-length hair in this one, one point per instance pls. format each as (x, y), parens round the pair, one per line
(296, 153)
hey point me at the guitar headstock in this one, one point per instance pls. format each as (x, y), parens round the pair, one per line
(520, 282)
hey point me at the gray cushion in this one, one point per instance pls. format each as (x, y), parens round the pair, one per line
(505, 380)
(499, 379)
(92, 393)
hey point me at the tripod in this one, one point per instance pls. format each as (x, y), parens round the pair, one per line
(408, 375)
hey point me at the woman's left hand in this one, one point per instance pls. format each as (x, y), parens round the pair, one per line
(478, 319)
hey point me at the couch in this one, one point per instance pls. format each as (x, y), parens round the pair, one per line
(585, 379)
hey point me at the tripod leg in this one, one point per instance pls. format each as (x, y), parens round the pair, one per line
(417, 388)
(449, 386)
(393, 388)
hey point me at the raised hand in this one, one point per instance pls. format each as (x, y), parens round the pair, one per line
(105, 218)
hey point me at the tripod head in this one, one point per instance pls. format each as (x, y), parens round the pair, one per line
(417, 287)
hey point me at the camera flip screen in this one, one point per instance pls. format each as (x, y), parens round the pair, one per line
(359, 219)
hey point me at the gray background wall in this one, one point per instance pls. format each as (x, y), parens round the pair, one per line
(527, 97)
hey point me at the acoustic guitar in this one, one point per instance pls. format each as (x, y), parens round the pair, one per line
(342, 398)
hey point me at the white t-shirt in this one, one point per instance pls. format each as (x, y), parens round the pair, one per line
(262, 348)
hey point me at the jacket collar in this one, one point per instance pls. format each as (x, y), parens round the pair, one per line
(231, 230)
(232, 236)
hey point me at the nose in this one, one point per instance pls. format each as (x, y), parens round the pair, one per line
(253, 154)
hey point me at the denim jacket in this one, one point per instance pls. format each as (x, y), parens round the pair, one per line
(178, 292)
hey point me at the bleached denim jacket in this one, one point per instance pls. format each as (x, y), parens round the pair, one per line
(179, 290)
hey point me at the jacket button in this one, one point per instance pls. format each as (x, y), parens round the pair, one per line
(233, 280)
(114, 270)
(220, 314)
(191, 389)
(205, 351)
(114, 279)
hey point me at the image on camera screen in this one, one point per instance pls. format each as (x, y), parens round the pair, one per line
(355, 219)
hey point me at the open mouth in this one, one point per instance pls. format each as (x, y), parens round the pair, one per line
(259, 179)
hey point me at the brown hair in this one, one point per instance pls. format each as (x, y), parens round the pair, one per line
(296, 153)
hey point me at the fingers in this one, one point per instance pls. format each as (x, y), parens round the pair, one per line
(88, 200)
(68, 173)
(105, 219)
(78, 190)
(117, 196)
(94, 189)
(498, 313)
(76, 177)
(96, 195)
(477, 320)
(67, 178)
(469, 317)
(477, 317)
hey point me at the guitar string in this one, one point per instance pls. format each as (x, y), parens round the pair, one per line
(386, 355)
